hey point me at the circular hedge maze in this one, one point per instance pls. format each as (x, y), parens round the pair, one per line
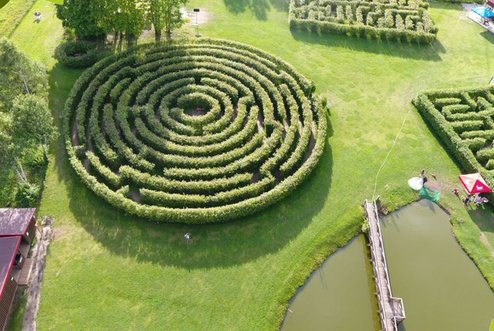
(201, 132)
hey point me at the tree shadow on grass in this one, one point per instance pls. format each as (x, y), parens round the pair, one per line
(281, 5)
(483, 217)
(446, 5)
(259, 8)
(489, 36)
(379, 47)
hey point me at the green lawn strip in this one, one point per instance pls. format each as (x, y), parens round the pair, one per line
(109, 271)
(12, 14)
(39, 40)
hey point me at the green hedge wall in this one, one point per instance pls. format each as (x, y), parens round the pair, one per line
(80, 54)
(469, 138)
(397, 20)
(194, 132)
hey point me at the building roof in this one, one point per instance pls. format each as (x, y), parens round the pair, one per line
(14, 221)
(8, 250)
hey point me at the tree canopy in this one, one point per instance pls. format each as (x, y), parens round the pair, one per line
(19, 75)
(122, 18)
(165, 14)
(32, 123)
(26, 124)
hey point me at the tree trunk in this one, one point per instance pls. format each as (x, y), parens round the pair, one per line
(120, 41)
(131, 40)
(115, 39)
(45, 153)
(21, 75)
(168, 34)
(21, 175)
(157, 35)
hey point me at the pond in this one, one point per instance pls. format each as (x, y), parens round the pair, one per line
(337, 296)
(441, 287)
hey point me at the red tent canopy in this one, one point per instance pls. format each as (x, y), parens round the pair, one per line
(474, 183)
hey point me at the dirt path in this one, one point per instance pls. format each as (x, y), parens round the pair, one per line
(202, 16)
(33, 294)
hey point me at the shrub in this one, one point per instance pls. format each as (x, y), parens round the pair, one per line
(466, 133)
(80, 54)
(203, 131)
(402, 20)
(27, 195)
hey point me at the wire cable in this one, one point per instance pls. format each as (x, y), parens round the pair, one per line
(389, 153)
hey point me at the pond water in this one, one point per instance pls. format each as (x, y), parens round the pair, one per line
(441, 287)
(338, 296)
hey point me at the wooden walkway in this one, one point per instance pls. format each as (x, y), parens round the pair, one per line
(391, 309)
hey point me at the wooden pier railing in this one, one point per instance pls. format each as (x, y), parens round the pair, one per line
(391, 309)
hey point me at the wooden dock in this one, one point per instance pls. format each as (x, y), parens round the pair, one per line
(391, 309)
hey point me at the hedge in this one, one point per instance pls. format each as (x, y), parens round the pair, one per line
(469, 140)
(195, 132)
(80, 54)
(405, 21)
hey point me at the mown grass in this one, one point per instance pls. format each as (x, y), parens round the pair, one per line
(11, 15)
(106, 270)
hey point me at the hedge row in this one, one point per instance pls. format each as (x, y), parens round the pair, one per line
(406, 21)
(80, 54)
(468, 138)
(203, 131)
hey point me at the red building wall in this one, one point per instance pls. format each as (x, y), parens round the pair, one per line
(6, 301)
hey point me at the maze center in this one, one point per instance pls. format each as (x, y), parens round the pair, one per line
(195, 104)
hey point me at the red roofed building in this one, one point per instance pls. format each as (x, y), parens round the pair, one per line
(17, 231)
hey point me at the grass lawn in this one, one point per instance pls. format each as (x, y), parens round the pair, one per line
(12, 14)
(109, 271)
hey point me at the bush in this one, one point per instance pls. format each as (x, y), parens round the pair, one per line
(468, 138)
(403, 21)
(80, 54)
(204, 131)
(27, 195)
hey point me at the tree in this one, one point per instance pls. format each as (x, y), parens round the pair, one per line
(32, 123)
(165, 14)
(123, 18)
(155, 12)
(84, 17)
(172, 16)
(19, 75)
(131, 19)
(25, 120)
(29, 127)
